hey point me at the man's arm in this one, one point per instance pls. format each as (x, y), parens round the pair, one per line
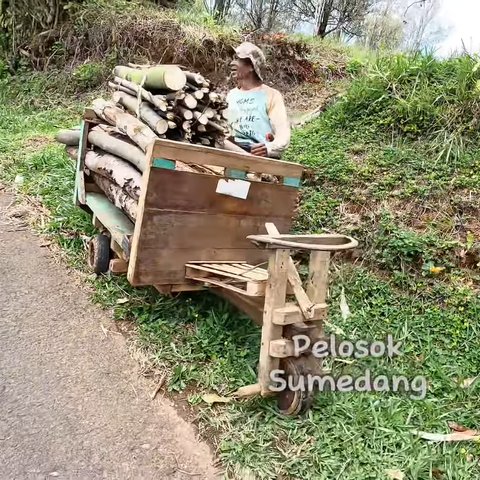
(280, 124)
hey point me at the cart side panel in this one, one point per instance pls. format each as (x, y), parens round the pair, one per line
(182, 218)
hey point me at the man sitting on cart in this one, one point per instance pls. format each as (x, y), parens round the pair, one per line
(256, 113)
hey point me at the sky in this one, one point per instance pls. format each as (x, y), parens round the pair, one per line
(462, 18)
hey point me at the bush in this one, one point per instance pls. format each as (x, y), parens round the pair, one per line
(90, 75)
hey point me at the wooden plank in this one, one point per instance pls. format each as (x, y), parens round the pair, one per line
(192, 267)
(282, 348)
(117, 266)
(317, 282)
(192, 192)
(170, 229)
(253, 273)
(79, 195)
(274, 298)
(306, 305)
(157, 266)
(136, 255)
(112, 218)
(202, 155)
(288, 315)
(228, 286)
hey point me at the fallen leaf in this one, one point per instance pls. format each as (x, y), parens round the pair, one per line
(460, 434)
(395, 474)
(468, 382)
(212, 398)
(437, 270)
(437, 473)
(121, 301)
(344, 306)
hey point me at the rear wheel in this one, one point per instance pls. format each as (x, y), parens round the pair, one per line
(99, 253)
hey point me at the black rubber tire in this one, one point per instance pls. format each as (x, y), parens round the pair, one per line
(292, 403)
(99, 253)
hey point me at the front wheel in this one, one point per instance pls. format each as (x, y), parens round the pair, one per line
(99, 253)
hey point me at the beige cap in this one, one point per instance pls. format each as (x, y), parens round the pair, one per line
(256, 56)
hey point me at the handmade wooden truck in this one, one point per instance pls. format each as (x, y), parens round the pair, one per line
(195, 231)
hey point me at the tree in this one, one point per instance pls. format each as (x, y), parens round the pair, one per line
(420, 30)
(343, 17)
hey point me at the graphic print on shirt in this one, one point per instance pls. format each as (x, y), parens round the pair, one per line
(247, 116)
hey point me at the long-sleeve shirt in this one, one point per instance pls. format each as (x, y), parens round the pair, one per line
(252, 114)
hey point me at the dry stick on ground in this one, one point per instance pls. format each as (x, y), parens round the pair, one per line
(147, 114)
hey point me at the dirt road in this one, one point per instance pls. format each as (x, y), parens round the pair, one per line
(72, 405)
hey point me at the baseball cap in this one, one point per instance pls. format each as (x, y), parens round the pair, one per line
(256, 56)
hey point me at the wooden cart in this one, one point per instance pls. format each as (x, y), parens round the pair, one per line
(195, 231)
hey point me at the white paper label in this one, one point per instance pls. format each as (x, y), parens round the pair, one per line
(234, 188)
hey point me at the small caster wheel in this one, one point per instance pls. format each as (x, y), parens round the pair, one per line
(291, 402)
(99, 253)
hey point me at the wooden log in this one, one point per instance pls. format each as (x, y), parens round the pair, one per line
(195, 78)
(201, 128)
(200, 118)
(116, 195)
(186, 113)
(160, 77)
(131, 126)
(171, 125)
(198, 94)
(116, 170)
(147, 114)
(118, 147)
(121, 88)
(158, 101)
(175, 96)
(189, 101)
(216, 126)
(69, 137)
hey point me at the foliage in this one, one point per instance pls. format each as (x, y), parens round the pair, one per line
(420, 97)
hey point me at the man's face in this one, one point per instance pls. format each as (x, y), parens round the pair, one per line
(241, 68)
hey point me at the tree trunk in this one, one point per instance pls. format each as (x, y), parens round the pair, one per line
(116, 170)
(134, 128)
(117, 196)
(324, 18)
(152, 119)
(161, 77)
(117, 147)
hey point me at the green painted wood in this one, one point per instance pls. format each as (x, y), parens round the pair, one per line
(232, 173)
(291, 182)
(163, 163)
(112, 218)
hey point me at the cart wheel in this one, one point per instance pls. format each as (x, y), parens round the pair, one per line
(294, 402)
(99, 253)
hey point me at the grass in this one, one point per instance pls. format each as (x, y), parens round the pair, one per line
(415, 278)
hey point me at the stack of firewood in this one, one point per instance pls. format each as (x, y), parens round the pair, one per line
(148, 102)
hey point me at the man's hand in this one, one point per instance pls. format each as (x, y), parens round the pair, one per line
(259, 149)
